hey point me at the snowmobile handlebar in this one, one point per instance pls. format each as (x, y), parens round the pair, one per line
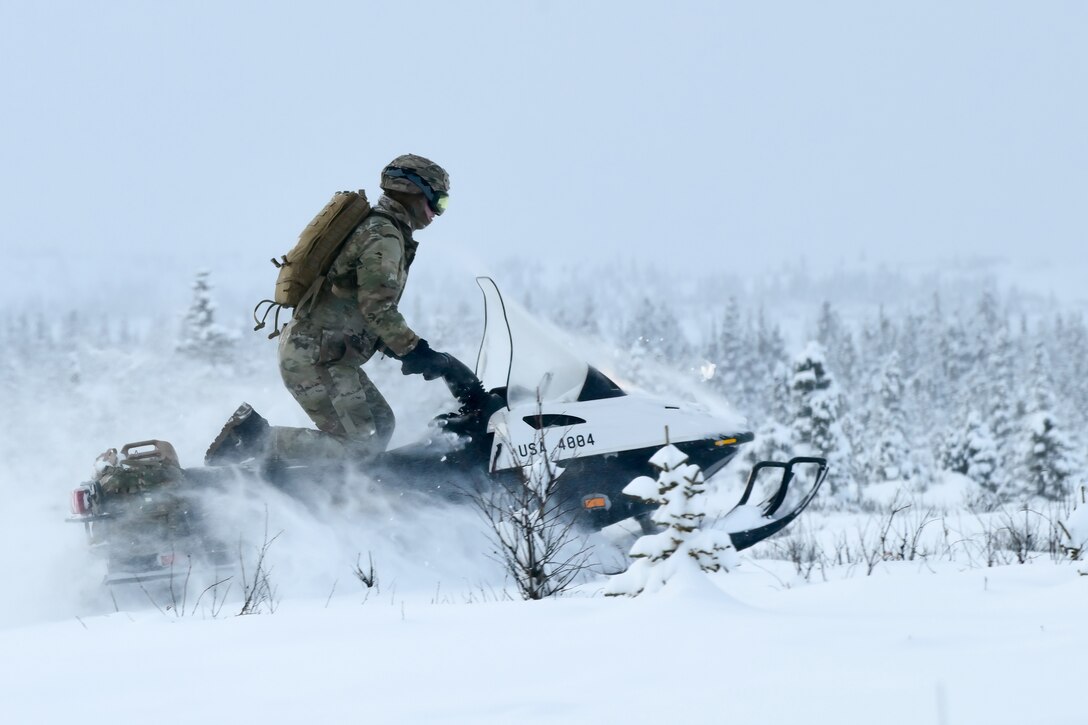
(477, 405)
(463, 383)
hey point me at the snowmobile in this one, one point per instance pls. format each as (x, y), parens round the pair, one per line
(531, 398)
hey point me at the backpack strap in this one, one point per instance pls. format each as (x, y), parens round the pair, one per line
(405, 231)
(309, 297)
(306, 301)
(272, 306)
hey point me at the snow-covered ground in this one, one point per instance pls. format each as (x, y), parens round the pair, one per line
(441, 637)
(849, 618)
(911, 644)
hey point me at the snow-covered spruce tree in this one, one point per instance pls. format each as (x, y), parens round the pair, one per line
(1071, 367)
(970, 450)
(770, 352)
(1047, 461)
(1001, 400)
(774, 442)
(652, 338)
(73, 368)
(957, 357)
(929, 372)
(887, 334)
(846, 359)
(828, 326)
(816, 412)
(10, 379)
(888, 457)
(989, 316)
(729, 353)
(655, 331)
(782, 394)
(584, 319)
(201, 337)
(838, 341)
(912, 347)
(683, 544)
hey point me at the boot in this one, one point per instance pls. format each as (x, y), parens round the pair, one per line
(244, 436)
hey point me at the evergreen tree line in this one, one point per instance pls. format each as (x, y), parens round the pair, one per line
(978, 390)
(23, 331)
(34, 337)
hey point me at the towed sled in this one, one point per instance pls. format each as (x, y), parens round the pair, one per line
(542, 402)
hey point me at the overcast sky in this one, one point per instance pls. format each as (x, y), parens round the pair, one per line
(167, 136)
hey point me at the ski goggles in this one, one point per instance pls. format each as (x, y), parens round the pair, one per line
(436, 200)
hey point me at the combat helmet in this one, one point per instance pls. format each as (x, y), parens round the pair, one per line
(413, 174)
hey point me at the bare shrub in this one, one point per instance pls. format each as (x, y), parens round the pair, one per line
(1068, 544)
(259, 593)
(486, 594)
(367, 577)
(907, 543)
(802, 549)
(998, 536)
(169, 596)
(895, 539)
(219, 598)
(532, 529)
(1021, 533)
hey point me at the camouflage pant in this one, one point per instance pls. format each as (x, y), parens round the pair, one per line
(323, 374)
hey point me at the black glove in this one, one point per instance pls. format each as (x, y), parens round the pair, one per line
(476, 402)
(422, 360)
(477, 405)
(463, 383)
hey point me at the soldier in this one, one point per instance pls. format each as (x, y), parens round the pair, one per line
(353, 316)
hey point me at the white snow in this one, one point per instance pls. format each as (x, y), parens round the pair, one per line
(910, 645)
(940, 639)
(935, 640)
(950, 491)
(1076, 526)
(668, 458)
(644, 488)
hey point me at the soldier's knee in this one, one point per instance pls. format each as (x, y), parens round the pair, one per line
(297, 356)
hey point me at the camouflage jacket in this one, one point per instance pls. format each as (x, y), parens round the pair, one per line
(364, 285)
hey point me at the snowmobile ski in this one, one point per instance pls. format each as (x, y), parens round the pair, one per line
(769, 519)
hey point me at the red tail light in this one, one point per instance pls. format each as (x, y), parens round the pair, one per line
(81, 502)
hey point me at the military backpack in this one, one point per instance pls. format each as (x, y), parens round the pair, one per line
(302, 270)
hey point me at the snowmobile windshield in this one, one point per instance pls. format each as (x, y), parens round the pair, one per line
(529, 357)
